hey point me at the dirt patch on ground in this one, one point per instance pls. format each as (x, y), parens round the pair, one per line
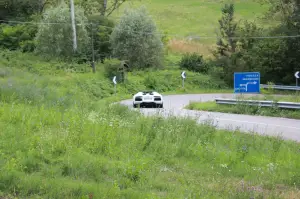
(190, 46)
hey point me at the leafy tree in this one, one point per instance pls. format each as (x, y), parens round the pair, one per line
(247, 33)
(278, 59)
(102, 7)
(54, 37)
(10, 9)
(90, 6)
(109, 6)
(17, 37)
(226, 44)
(101, 28)
(136, 39)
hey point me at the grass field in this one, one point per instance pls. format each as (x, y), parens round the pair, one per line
(184, 18)
(111, 152)
(194, 17)
(61, 138)
(251, 110)
(292, 97)
(58, 79)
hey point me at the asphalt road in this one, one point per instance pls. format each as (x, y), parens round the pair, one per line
(174, 106)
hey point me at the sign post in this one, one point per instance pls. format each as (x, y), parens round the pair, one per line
(183, 75)
(297, 75)
(115, 84)
(247, 82)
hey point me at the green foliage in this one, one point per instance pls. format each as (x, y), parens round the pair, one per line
(243, 108)
(226, 43)
(111, 67)
(136, 39)
(75, 79)
(38, 65)
(101, 28)
(90, 6)
(275, 59)
(75, 153)
(165, 38)
(270, 58)
(54, 37)
(60, 140)
(193, 62)
(20, 9)
(17, 37)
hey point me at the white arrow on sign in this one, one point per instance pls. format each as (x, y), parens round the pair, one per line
(246, 85)
(252, 82)
(297, 74)
(183, 75)
(115, 80)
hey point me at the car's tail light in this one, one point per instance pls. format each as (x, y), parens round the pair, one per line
(157, 98)
(138, 99)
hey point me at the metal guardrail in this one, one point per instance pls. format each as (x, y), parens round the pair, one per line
(287, 105)
(281, 87)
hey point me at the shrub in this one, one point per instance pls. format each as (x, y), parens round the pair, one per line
(193, 62)
(111, 67)
(101, 29)
(18, 37)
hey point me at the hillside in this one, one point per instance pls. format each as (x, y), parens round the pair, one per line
(63, 137)
(32, 76)
(60, 140)
(186, 19)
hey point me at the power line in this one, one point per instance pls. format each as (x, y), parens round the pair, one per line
(199, 37)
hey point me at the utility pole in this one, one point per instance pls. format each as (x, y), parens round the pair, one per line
(93, 52)
(73, 25)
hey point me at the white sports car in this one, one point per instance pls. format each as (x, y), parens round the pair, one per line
(148, 98)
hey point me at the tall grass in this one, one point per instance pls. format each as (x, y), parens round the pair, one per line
(18, 76)
(60, 140)
(244, 108)
(112, 152)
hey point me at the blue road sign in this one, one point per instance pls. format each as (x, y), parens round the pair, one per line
(248, 82)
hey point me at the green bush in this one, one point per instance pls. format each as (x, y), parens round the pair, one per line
(193, 62)
(111, 68)
(18, 37)
(38, 65)
(160, 83)
(101, 29)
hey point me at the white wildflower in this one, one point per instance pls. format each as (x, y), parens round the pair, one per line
(224, 165)
(271, 166)
(92, 116)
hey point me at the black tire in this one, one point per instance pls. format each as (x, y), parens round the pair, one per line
(134, 105)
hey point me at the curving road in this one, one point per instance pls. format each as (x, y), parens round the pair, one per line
(174, 105)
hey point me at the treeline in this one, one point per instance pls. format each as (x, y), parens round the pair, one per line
(274, 52)
(44, 27)
(241, 45)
